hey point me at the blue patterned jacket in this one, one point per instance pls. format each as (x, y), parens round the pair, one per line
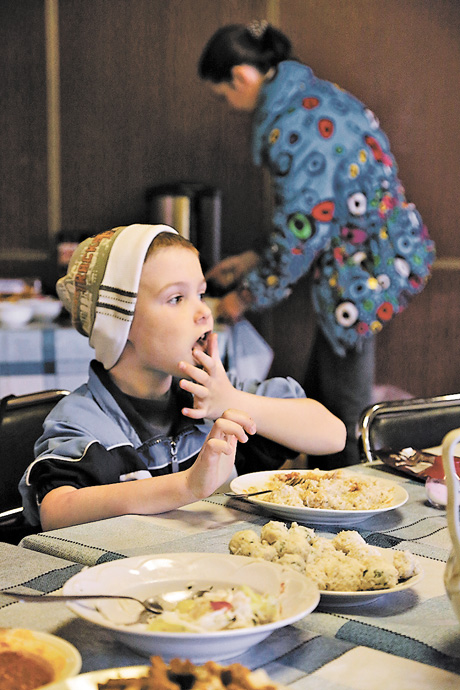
(340, 209)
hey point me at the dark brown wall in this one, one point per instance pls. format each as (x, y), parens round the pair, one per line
(133, 114)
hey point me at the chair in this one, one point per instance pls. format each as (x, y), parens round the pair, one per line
(21, 424)
(415, 423)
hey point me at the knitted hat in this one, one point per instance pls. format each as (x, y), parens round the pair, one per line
(100, 288)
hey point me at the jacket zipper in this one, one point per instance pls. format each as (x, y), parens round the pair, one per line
(174, 463)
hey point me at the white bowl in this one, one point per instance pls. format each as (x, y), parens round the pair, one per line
(146, 576)
(15, 314)
(46, 308)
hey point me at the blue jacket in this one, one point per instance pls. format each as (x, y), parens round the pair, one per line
(95, 436)
(340, 209)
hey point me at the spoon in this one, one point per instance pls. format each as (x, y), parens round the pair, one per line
(150, 605)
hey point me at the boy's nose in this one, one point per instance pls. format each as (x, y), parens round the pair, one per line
(204, 312)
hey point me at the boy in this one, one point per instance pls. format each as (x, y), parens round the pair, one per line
(158, 407)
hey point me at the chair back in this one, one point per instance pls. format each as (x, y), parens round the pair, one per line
(21, 424)
(415, 423)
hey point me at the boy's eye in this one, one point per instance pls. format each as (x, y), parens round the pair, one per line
(176, 299)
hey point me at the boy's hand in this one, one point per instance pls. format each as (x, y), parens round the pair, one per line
(211, 389)
(217, 457)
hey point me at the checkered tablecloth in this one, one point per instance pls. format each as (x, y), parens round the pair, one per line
(417, 624)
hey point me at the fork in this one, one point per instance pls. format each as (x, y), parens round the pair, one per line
(292, 481)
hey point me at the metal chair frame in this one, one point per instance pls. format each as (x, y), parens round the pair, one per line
(419, 423)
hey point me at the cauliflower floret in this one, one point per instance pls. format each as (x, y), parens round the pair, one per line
(378, 573)
(336, 572)
(307, 532)
(347, 540)
(320, 547)
(273, 531)
(246, 542)
(293, 560)
(405, 564)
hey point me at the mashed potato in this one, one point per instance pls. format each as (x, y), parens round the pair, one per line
(345, 563)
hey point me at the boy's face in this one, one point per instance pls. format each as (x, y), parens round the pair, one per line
(171, 318)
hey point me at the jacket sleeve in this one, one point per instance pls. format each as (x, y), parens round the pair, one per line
(94, 465)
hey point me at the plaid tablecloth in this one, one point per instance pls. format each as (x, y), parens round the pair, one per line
(416, 624)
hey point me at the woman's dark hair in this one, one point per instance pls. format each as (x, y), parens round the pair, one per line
(236, 44)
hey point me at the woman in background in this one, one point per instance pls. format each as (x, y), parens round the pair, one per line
(340, 213)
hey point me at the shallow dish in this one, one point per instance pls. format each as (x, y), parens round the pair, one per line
(147, 576)
(337, 599)
(89, 681)
(256, 481)
(63, 658)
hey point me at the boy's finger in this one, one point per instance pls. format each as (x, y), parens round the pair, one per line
(226, 427)
(198, 375)
(212, 345)
(241, 418)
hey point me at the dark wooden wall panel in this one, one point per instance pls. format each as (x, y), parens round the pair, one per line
(23, 187)
(135, 113)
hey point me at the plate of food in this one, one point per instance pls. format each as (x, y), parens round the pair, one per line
(31, 658)
(212, 606)
(347, 570)
(181, 673)
(320, 496)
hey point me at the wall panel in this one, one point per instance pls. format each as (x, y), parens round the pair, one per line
(23, 182)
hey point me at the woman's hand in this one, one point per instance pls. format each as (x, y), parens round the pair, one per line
(230, 270)
(208, 382)
(230, 308)
(217, 457)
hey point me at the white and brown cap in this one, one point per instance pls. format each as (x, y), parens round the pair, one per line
(100, 288)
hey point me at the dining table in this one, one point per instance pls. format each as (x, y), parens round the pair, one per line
(400, 640)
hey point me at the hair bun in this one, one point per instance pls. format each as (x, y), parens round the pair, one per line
(257, 28)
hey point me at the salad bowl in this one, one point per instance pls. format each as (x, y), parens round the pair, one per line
(167, 576)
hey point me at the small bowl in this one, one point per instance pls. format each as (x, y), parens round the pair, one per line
(46, 308)
(15, 314)
(61, 657)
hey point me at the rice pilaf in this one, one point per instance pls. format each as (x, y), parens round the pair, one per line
(330, 490)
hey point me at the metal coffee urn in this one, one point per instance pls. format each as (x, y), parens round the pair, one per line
(194, 210)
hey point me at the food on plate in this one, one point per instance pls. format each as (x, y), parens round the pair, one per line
(22, 671)
(218, 608)
(30, 659)
(327, 489)
(183, 675)
(345, 563)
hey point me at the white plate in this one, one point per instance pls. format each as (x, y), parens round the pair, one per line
(336, 599)
(89, 681)
(62, 656)
(145, 576)
(257, 481)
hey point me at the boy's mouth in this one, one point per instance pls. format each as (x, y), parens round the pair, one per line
(202, 341)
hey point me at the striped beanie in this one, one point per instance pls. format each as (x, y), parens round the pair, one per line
(100, 288)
